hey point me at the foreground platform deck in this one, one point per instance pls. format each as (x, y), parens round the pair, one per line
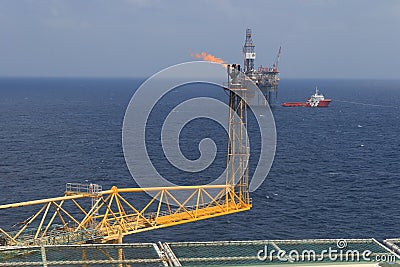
(324, 252)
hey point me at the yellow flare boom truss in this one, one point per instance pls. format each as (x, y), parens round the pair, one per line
(113, 214)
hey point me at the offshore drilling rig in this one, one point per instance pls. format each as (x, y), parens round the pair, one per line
(266, 78)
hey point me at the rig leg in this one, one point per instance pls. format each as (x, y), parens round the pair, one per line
(84, 258)
(120, 251)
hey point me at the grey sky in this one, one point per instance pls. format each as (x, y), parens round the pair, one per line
(136, 38)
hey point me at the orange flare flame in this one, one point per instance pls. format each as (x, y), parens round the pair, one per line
(207, 57)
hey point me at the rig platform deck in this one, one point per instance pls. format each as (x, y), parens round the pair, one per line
(344, 252)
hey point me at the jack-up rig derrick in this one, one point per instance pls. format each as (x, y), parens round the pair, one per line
(266, 78)
(88, 214)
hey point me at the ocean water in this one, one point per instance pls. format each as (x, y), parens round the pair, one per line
(335, 174)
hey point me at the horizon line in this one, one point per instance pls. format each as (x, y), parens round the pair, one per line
(145, 77)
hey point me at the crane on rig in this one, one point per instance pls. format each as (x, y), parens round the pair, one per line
(276, 63)
(88, 214)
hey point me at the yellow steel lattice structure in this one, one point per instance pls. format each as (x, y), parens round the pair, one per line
(86, 213)
(113, 216)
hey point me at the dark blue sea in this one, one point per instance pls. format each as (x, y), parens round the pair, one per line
(335, 174)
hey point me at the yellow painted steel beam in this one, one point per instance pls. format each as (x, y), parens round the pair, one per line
(115, 189)
(42, 221)
(7, 235)
(52, 218)
(41, 201)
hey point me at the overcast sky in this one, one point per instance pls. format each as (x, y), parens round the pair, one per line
(136, 38)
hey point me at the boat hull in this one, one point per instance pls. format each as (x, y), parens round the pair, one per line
(321, 104)
(294, 104)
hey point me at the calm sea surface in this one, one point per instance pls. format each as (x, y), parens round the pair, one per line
(335, 174)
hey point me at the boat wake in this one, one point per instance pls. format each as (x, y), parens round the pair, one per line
(366, 104)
